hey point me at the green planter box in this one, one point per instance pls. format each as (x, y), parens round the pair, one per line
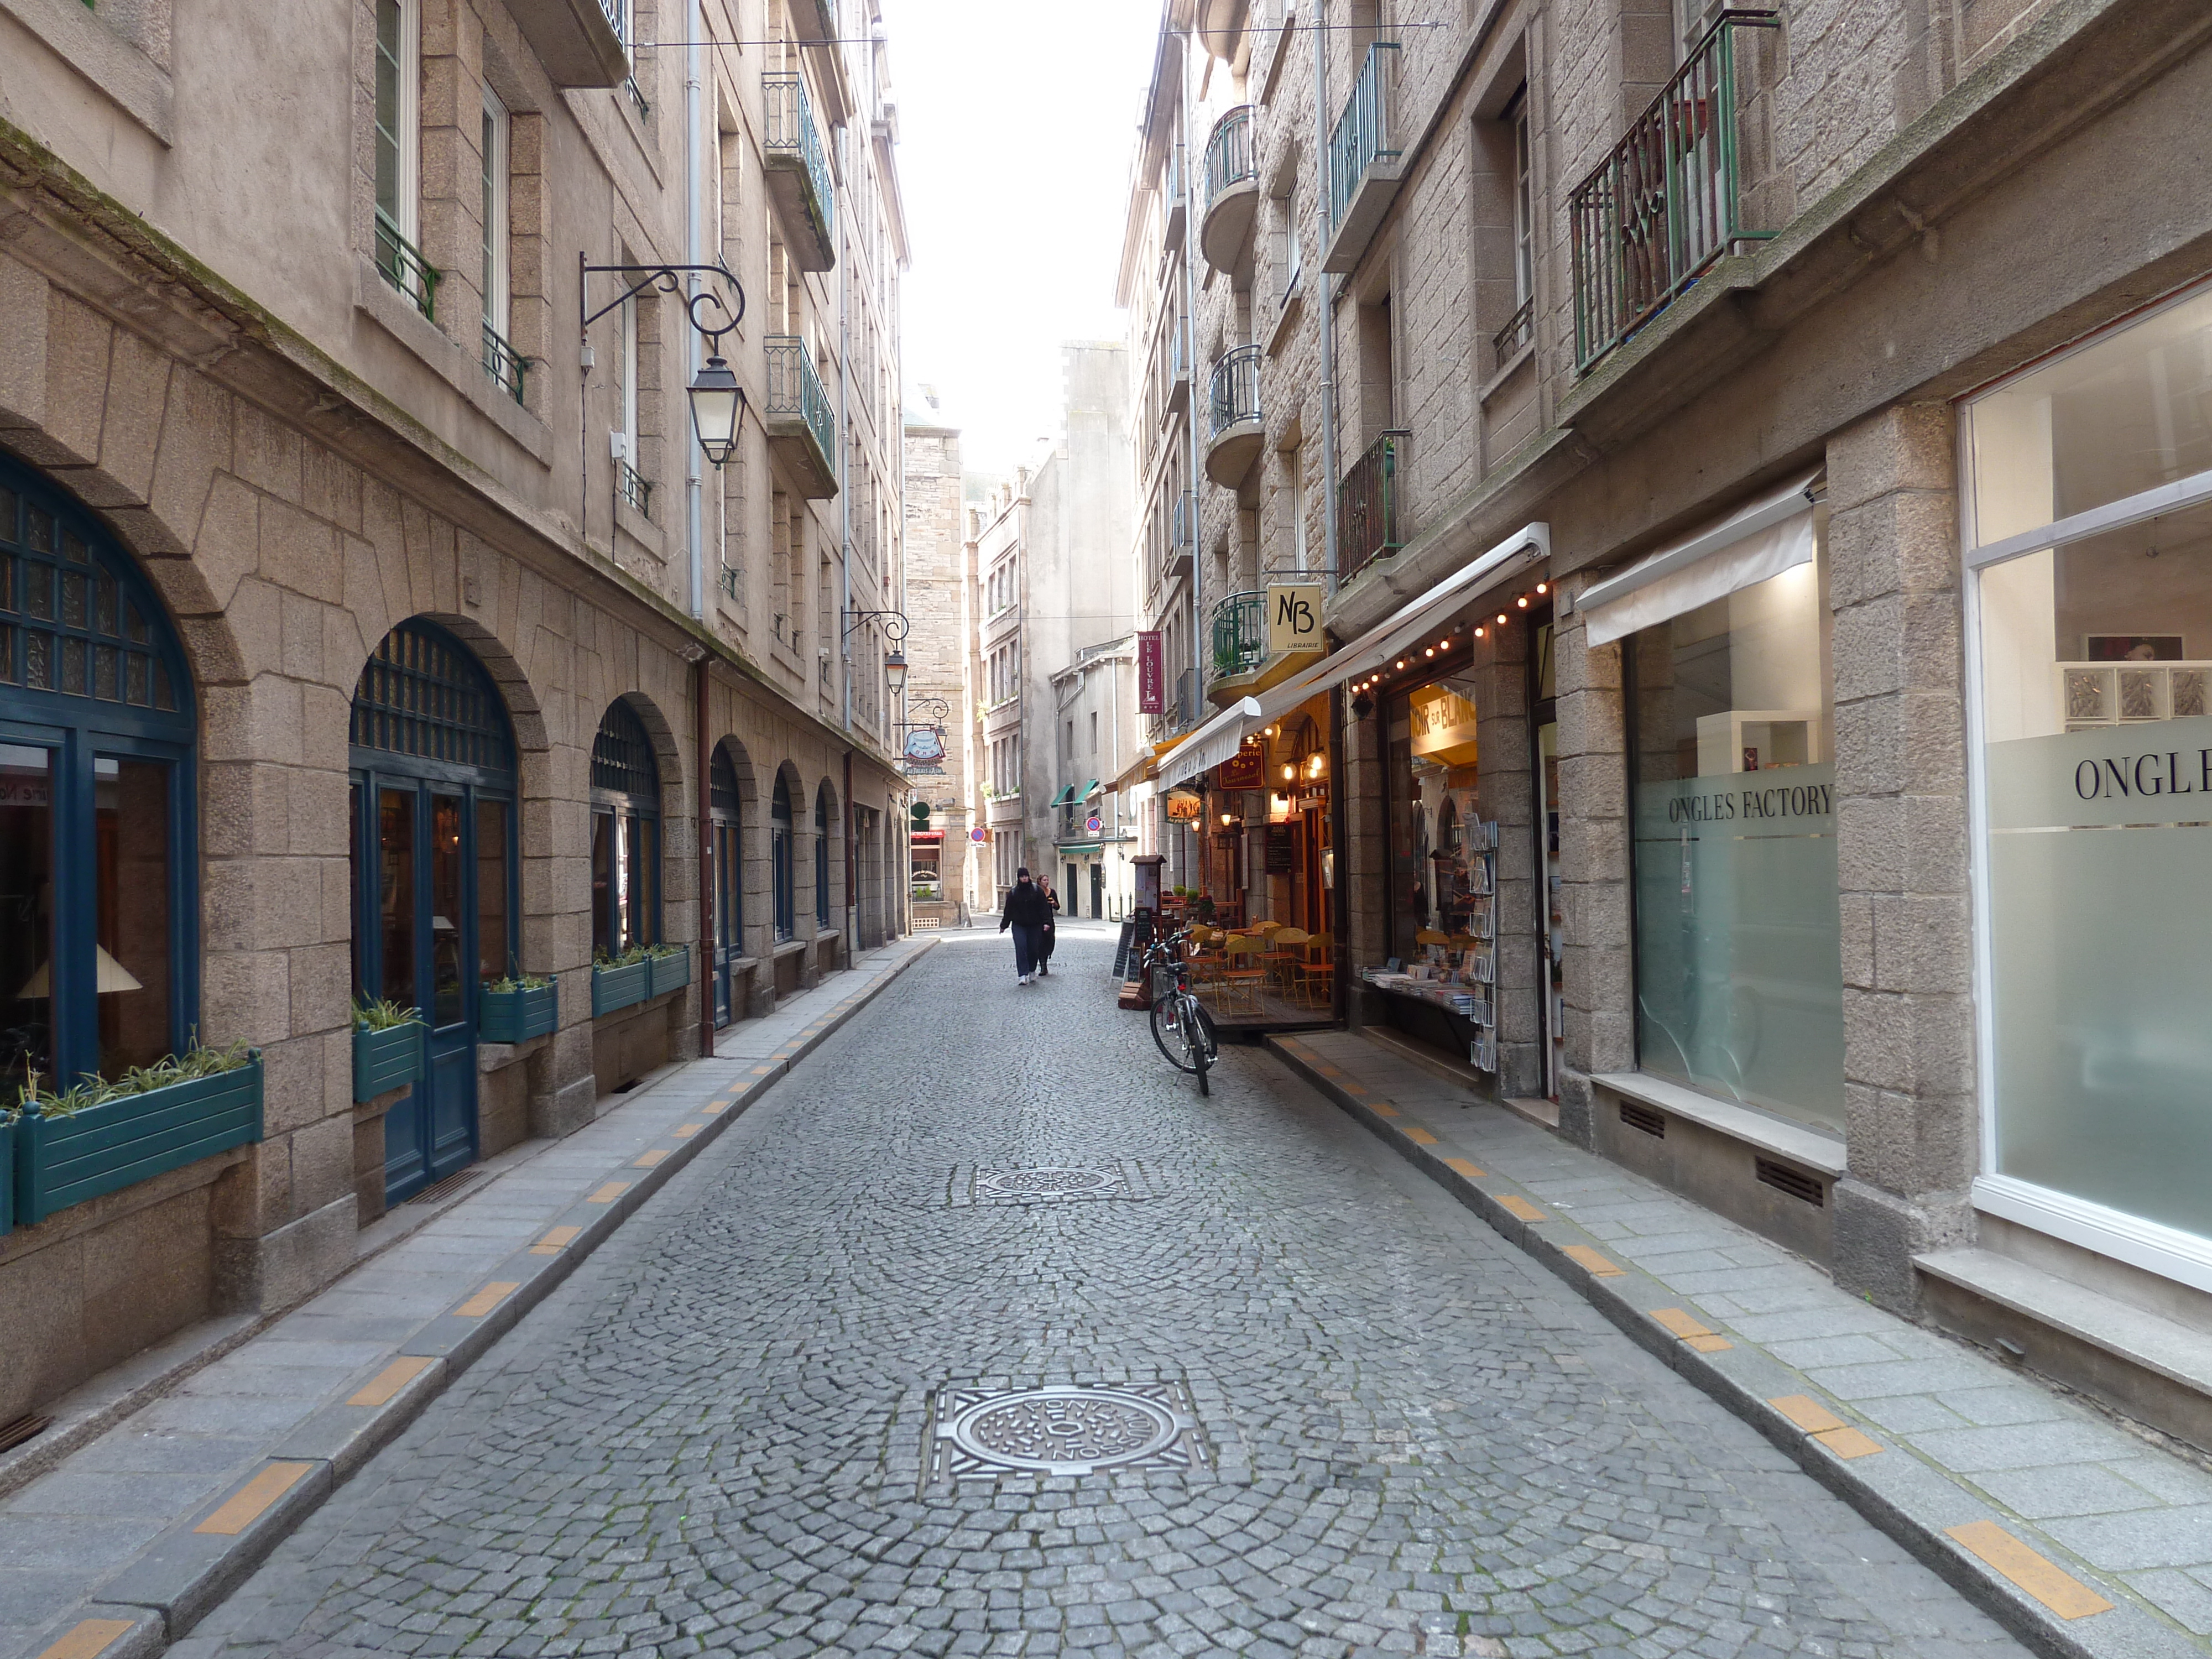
(387, 1060)
(614, 989)
(7, 1179)
(61, 1161)
(670, 973)
(518, 1016)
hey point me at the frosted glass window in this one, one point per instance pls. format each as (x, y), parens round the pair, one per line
(1739, 976)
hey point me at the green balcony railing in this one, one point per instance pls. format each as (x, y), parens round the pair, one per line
(794, 389)
(1229, 154)
(637, 488)
(1665, 202)
(1369, 506)
(1362, 136)
(1236, 389)
(403, 266)
(792, 131)
(1240, 635)
(503, 363)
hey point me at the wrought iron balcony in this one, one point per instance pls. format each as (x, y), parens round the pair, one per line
(403, 266)
(802, 430)
(580, 43)
(1235, 428)
(1369, 510)
(1240, 635)
(1363, 161)
(1519, 329)
(798, 173)
(1232, 190)
(637, 488)
(503, 363)
(1665, 203)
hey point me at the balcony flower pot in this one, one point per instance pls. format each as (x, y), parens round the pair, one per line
(520, 1014)
(671, 971)
(386, 1059)
(615, 988)
(126, 1140)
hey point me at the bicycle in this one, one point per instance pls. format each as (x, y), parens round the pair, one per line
(1180, 1025)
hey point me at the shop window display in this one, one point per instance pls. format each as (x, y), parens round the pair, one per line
(1434, 808)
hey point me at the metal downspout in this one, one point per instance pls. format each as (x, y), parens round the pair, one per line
(1190, 242)
(694, 493)
(1325, 312)
(845, 511)
(707, 919)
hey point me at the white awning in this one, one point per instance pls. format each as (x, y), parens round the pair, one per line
(1762, 539)
(1216, 741)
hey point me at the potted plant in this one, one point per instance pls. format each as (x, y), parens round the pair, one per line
(387, 1047)
(519, 1007)
(619, 980)
(670, 970)
(99, 1137)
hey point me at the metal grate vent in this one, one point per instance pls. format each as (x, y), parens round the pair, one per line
(27, 1427)
(1796, 1182)
(445, 1189)
(1644, 1119)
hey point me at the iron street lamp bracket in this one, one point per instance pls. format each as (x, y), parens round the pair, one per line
(933, 711)
(894, 622)
(664, 279)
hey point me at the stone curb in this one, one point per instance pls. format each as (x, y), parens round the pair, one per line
(1911, 1501)
(182, 1575)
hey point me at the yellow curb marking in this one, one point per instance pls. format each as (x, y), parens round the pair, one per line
(1597, 1262)
(1420, 1137)
(763, 1071)
(489, 1297)
(1353, 1089)
(556, 1241)
(1517, 1206)
(1716, 1344)
(1675, 1322)
(1848, 1442)
(2063, 1594)
(1383, 1109)
(90, 1637)
(646, 1160)
(713, 1108)
(1807, 1413)
(609, 1193)
(1461, 1166)
(379, 1389)
(253, 1500)
(685, 1131)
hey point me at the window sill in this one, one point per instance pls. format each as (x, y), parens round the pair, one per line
(140, 87)
(1293, 307)
(1506, 371)
(1814, 1148)
(498, 1056)
(790, 948)
(641, 528)
(397, 317)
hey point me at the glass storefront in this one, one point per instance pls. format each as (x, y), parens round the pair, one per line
(1435, 811)
(2094, 654)
(1739, 979)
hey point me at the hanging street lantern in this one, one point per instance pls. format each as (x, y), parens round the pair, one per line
(717, 402)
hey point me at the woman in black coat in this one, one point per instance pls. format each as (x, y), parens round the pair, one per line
(1029, 913)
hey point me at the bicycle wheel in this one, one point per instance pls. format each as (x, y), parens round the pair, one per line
(1206, 1046)
(1169, 1030)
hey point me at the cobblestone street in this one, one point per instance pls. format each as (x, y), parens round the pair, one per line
(1356, 1419)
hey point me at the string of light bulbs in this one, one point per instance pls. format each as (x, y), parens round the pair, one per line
(1428, 653)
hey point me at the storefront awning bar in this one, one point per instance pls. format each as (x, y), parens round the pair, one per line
(1530, 545)
(1763, 513)
(1088, 790)
(1216, 741)
(1066, 795)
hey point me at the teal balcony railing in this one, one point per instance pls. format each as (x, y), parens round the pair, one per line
(1229, 158)
(794, 389)
(1362, 136)
(792, 131)
(1665, 203)
(403, 266)
(1236, 390)
(1370, 511)
(1240, 635)
(503, 363)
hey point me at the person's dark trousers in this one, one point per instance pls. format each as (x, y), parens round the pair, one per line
(1029, 945)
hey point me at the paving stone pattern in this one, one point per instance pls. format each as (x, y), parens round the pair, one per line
(712, 1438)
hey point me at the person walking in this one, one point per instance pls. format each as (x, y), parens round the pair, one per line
(1027, 913)
(1051, 926)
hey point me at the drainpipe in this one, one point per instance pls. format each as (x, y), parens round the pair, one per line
(694, 493)
(1190, 241)
(851, 859)
(705, 807)
(844, 423)
(1324, 314)
(1340, 854)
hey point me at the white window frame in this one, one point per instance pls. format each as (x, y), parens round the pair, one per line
(628, 359)
(498, 263)
(1525, 243)
(2166, 1251)
(407, 122)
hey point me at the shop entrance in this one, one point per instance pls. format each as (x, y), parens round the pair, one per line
(726, 842)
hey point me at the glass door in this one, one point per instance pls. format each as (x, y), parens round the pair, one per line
(729, 928)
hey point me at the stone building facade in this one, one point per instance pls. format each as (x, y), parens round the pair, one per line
(1665, 395)
(940, 600)
(376, 629)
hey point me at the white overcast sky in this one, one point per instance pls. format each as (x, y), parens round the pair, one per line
(1017, 119)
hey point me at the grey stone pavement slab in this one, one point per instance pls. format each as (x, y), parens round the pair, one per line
(82, 1541)
(2114, 1510)
(726, 1432)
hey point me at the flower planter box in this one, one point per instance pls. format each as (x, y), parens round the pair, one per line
(518, 1016)
(670, 973)
(387, 1060)
(615, 988)
(7, 1179)
(61, 1161)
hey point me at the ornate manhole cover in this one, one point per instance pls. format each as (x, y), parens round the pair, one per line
(1045, 1184)
(1063, 1430)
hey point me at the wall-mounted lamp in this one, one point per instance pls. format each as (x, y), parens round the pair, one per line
(717, 400)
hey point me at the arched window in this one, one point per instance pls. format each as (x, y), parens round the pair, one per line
(822, 855)
(726, 843)
(97, 968)
(436, 889)
(625, 834)
(778, 849)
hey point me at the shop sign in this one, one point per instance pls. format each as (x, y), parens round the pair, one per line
(1152, 685)
(1246, 769)
(925, 743)
(1786, 800)
(1293, 616)
(1185, 808)
(1279, 849)
(1443, 726)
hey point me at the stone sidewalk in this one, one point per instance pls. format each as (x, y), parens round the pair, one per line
(118, 1550)
(2081, 1536)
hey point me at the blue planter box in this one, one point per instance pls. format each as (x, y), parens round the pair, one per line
(670, 973)
(614, 989)
(7, 1179)
(61, 1161)
(387, 1060)
(518, 1016)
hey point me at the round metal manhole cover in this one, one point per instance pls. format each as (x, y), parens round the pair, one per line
(1065, 1430)
(1048, 1183)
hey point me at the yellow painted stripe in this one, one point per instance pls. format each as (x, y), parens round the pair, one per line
(1517, 1206)
(489, 1297)
(685, 1131)
(380, 1389)
(254, 1499)
(556, 1241)
(1420, 1137)
(1716, 1344)
(1596, 1262)
(1675, 1322)
(1807, 1413)
(2057, 1589)
(1384, 1108)
(763, 1071)
(609, 1193)
(88, 1638)
(715, 1106)
(1848, 1442)
(646, 1160)
(1353, 1089)
(1461, 1166)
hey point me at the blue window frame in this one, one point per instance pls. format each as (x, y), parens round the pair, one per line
(822, 855)
(625, 834)
(779, 847)
(96, 786)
